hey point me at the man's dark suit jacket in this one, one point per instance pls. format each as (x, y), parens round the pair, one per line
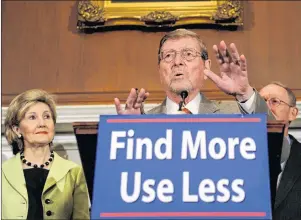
(288, 197)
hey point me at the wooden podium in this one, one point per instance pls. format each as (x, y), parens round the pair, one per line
(86, 136)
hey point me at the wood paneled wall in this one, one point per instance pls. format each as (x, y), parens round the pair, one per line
(41, 48)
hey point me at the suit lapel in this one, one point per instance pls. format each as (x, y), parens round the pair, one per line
(206, 106)
(13, 172)
(160, 109)
(60, 167)
(291, 172)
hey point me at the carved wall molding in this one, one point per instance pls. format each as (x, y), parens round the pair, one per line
(159, 17)
(94, 14)
(65, 141)
(230, 10)
(89, 12)
(90, 113)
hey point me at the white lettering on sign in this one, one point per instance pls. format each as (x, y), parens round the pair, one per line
(217, 148)
(137, 147)
(151, 189)
(209, 191)
(137, 186)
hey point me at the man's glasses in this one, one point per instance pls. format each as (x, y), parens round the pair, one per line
(275, 102)
(187, 54)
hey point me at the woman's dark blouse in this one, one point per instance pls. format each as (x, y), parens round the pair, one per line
(35, 180)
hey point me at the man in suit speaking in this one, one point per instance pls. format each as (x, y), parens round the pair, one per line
(184, 66)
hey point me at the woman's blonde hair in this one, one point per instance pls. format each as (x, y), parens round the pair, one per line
(17, 110)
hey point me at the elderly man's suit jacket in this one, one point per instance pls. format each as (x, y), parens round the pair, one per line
(220, 107)
(288, 197)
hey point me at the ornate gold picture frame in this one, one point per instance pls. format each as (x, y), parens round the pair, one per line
(158, 13)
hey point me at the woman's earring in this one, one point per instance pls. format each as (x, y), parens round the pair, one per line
(19, 135)
(51, 145)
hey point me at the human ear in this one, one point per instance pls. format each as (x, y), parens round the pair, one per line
(293, 113)
(16, 130)
(207, 65)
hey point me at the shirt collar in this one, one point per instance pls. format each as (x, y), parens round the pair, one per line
(193, 105)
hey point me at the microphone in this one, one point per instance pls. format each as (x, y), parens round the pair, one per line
(184, 95)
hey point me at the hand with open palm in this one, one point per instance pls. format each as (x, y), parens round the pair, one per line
(134, 103)
(233, 77)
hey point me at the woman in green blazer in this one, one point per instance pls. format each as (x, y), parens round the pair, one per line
(37, 183)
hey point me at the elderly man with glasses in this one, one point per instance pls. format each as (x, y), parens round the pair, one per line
(184, 65)
(282, 104)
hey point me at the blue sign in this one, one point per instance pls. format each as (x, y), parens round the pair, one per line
(182, 167)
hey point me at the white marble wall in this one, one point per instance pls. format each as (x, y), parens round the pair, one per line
(65, 141)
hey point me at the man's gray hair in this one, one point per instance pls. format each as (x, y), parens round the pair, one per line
(182, 33)
(291, 95)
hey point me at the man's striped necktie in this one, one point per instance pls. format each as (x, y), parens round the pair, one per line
(184, 111)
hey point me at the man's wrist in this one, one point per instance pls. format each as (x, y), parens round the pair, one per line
(245, 97)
